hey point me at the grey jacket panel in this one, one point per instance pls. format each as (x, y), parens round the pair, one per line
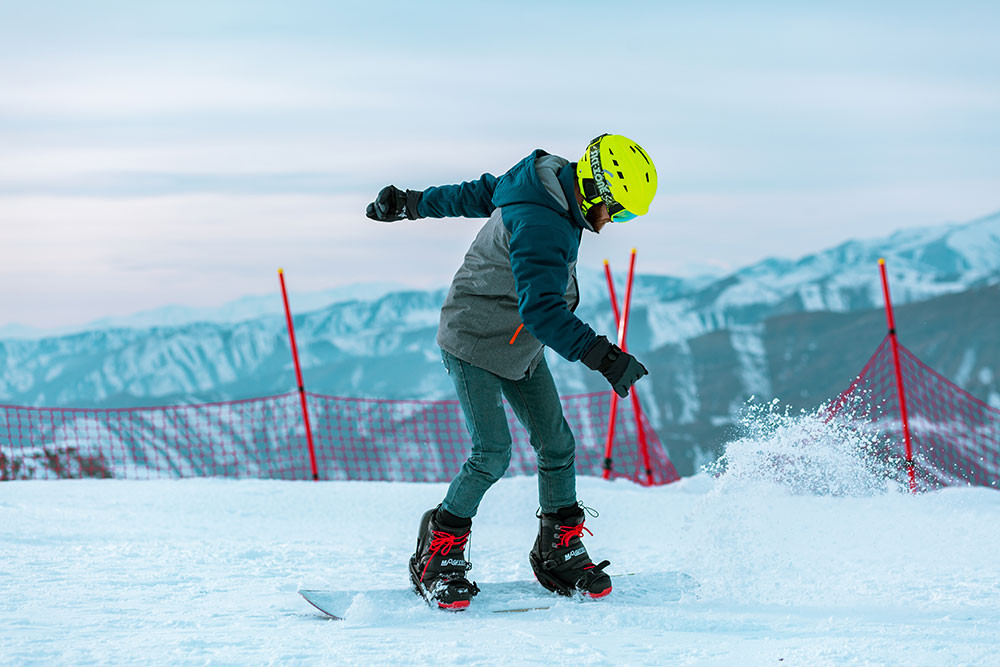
(547, 167)
(480, 314)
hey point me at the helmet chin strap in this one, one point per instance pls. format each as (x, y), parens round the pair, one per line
(591, 198)
(585, 207)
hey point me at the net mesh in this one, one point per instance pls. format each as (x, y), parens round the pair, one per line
(955, 437)
(354, 439)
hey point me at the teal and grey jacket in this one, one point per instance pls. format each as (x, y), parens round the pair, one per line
(520, 269)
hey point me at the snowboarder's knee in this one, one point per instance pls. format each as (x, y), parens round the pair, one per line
(491, 465)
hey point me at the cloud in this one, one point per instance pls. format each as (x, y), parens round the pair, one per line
(178, 152)
(162, 85)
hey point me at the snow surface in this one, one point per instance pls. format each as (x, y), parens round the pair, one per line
(805, 553)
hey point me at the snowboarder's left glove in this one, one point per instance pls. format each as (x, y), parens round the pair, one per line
(393, 204)
(620, 368)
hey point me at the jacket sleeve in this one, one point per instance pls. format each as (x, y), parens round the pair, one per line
(539, 257)
(471, 199)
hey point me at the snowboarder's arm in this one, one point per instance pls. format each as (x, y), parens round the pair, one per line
(471, 199)
(539, 258)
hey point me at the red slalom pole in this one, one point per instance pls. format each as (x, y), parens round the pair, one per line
(899, 378)
(622, 333)
(609, 444)
(622, 323)
(298, 376)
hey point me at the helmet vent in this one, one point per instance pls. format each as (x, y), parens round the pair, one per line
(647, 177)
(625, 186)
(621, 175)
(643, 154)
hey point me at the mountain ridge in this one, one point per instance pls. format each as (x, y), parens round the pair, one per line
(709, 343)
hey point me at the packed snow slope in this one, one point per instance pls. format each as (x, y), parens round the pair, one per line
(805, 554)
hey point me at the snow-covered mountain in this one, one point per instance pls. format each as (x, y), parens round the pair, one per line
(709, 343)
(244, 308)
(922, 263)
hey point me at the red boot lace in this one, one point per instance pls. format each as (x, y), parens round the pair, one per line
(567, 533)
(441, 545)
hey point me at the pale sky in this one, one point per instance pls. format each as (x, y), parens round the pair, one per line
(179, 153)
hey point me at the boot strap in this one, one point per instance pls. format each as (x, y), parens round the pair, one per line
(589, 575)
(447, 581)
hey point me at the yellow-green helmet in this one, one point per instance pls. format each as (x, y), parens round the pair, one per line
(616, 171)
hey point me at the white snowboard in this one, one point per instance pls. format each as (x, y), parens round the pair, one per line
(509, 596)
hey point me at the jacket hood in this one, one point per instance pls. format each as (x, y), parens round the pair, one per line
(540, 179)
(545, 180)
(523, 185)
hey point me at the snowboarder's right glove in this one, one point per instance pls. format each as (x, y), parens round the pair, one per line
(620, 368)
(393, 204)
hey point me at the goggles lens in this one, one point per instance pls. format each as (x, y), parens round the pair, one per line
(623, 216)
(616, 211)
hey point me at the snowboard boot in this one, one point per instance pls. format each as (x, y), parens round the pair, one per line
(559, 559)
(438, 567)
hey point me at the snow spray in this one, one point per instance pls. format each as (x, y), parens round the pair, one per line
(788, 502)
(803, 453)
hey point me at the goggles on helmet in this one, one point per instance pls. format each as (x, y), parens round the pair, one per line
(597, 188)
(593, 197)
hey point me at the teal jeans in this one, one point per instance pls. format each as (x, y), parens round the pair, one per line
(536, 405)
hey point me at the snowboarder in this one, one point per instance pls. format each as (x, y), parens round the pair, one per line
(514, 294)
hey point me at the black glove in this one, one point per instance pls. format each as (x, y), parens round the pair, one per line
(393, 204)
(620, 368)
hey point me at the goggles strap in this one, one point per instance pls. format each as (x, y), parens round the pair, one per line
(600, 182)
